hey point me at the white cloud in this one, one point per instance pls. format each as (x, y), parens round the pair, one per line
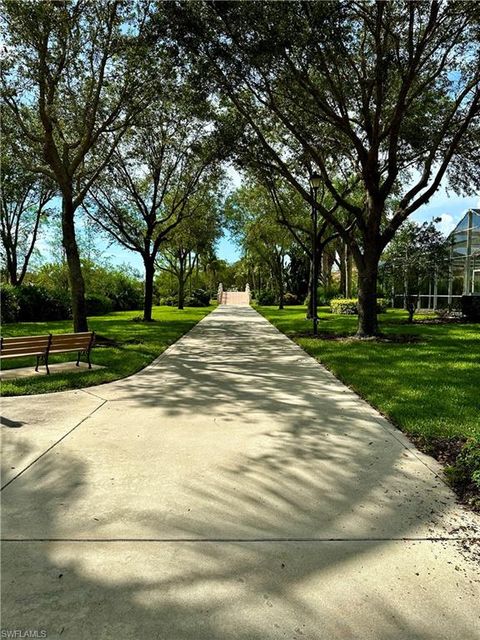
(446, 224)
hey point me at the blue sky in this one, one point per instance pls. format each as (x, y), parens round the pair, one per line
(445, 205)
(226, 250)
(450, 207)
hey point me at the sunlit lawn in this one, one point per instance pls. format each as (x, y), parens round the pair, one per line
(430, 388)
(135, 345)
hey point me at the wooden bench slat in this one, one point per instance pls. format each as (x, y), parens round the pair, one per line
(25, 347)
(32, 340)
(32, 350)
(71, 338)
(69, 343)
(43, 346)
(57, 336)
(65, 349)
(37, 335)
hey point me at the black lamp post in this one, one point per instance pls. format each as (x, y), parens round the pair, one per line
(315, 181)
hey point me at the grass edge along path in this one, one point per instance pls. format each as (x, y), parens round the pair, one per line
(426, 380)
(125, 345)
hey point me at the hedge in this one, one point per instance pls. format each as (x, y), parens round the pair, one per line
(349, 306)
(9, 307)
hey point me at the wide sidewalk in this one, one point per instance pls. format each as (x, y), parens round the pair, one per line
(234, 489)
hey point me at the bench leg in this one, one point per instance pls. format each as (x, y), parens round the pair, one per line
(78, 359)
(88, 358)
(42, 360)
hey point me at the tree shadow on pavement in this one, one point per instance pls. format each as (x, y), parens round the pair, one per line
(316, 528)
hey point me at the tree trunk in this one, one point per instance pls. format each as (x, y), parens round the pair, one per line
(309, 292)
(148, 302)
(181, 284)
(181, 294)
(281, 288)
(406, 292)
(342, 264)
(326, 261)
(75, 277)
(12, 270)
(348, 272)
(367, 299)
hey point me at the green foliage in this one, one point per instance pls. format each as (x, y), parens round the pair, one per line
(120, 284)
(428, 387)
(123, 347)
(37, 304)
(265, 298)
(349, 306)
(346, 306)
(169, 301)
(326, 293)
(293, 94)
(290, 299)
(297, 272)
(413, 256)
(466, 469)
(252, 216)
(98, 304)
(126, 293)
(9, 306)
(199, 298)
(23, 206)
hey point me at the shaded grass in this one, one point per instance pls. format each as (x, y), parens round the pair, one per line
(430, 387)
(129, 346)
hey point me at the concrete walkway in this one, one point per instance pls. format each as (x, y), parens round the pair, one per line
(232, 490)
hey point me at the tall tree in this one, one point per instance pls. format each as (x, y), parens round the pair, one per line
(414, 261)
(72, 82)
(294, 213)
(193, 238)
(252, 217)
(384, 93)
(23, 208)
(155, 176)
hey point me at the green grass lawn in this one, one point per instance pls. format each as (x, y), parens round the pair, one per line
(429, 388)
(136, 344)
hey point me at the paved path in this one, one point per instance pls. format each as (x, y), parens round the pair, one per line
(232, 490)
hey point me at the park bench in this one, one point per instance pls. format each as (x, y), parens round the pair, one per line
(43, 346)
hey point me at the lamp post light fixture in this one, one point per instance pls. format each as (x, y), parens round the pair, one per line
(315, 181)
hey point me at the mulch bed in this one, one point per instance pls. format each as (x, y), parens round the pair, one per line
(437, 321)
(409, 338)
(446, 450)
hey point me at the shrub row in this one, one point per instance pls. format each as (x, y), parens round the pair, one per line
(349, 306)
(33, 303)
(98, 304)
(291, 299)
(199, 298)
(266, 298)
(464, 474)
(36, 303)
